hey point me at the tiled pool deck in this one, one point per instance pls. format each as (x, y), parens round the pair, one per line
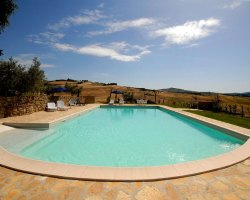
(229, 183)
(232, 183)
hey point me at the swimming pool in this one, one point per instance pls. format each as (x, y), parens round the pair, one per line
(128, 136)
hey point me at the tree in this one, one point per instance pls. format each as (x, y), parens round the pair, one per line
(7, 7)
(35, 77)
(16, 79)
(216, 103)
(156, 92)
(73, 88)
(128, 97)
(11, 75)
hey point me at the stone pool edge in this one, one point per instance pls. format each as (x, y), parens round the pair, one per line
(71, 171)
(46, 125)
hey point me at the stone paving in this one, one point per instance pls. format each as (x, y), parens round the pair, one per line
(231, 183)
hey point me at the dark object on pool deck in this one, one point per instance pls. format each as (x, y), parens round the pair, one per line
(81, 101)
(72, 102)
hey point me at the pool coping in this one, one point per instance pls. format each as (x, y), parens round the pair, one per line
(47, 125)
(70, 171)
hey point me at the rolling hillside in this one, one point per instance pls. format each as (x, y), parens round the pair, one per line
(172, 96)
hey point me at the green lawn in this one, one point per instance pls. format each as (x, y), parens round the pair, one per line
(232, 119)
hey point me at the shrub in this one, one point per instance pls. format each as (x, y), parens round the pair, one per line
(128, 97)
(16, 79)
(74, 89)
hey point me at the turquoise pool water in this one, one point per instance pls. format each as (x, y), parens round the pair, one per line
(129, 136)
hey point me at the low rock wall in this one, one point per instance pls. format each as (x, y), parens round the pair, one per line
(22, 105)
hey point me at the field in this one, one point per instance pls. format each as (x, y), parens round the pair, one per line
(232, 119)
(102, 93)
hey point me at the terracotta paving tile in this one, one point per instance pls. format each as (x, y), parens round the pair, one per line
(110, 195)
(149, 192)
(213, 185)
(230, 196)
(172, 192)
(243, 194)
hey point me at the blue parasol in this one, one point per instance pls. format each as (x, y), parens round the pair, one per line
(117, 92)
(60, 89)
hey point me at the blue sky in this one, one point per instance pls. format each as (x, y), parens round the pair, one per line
(189, 44)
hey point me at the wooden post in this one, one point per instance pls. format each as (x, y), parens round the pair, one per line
(155, 96)
(242, 111)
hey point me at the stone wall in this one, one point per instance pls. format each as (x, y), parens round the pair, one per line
(22, 105)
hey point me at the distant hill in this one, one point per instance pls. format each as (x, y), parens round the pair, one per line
(244, 94)
(182, 91)
(178, 90)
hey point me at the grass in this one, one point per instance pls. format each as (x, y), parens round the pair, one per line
(232, 119)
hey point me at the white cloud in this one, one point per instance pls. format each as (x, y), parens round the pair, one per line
(86, 17)
(117, 26)
(234, 4)
(47, 65)
(27, 60)
(114, 51)
(64, 47)
(191, 45)
(188, 32)
(24, 59)
(125, 47)
(101, 5)
(45, 37)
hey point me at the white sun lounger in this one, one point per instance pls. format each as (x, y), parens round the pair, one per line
(51, 106)
(121, 101)
(141, 101)
(61, 106)
(72, 102)
(111, 102)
